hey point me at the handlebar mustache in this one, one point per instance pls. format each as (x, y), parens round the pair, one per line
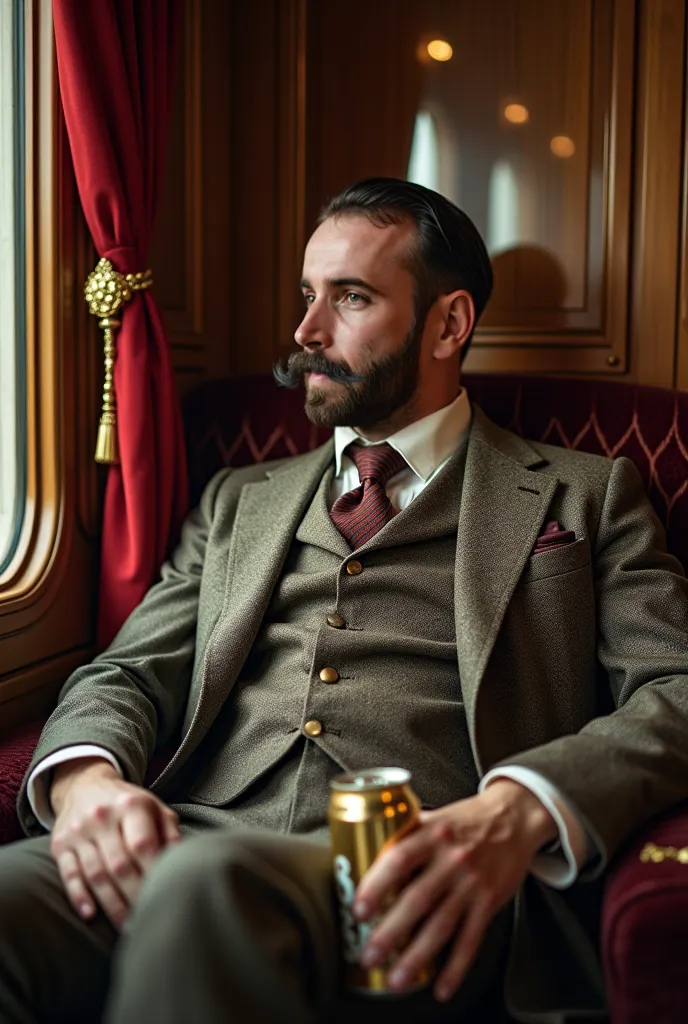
(292, 373)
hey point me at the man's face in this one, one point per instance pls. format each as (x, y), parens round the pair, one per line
(360, 344)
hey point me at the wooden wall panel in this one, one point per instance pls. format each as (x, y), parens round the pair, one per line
(657, 202)
(562, 293)
(191, 252)
(229, 235)
(280, 104)
(254, 199)
(682, 326)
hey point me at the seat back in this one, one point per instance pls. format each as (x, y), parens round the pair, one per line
(243, 420)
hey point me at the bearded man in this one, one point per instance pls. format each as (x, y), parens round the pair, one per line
(426, 591)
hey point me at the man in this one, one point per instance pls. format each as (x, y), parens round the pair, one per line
(426, 590)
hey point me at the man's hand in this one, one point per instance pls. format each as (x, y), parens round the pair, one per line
(453, 873)
(107, 833)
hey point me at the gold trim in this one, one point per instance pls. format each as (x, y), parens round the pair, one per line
(652, 854)
(106, 291)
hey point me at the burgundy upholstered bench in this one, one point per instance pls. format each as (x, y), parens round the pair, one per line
(645, 919)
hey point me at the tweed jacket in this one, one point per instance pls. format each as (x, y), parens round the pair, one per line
(573, 662)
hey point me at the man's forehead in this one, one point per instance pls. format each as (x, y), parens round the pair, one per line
(353, 245)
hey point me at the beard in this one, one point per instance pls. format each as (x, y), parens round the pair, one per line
(368, 398)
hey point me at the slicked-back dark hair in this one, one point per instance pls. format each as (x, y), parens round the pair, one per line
(449, 252)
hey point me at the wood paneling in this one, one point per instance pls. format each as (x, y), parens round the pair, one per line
(297, 100)
(191, 251)
(660, 131)
(291, 146)
(682, 326)
(559, 227)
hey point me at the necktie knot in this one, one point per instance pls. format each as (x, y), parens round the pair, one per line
(360, 513)
(378, 462)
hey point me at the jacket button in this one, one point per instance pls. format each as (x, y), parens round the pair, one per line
(329, 675)
(354, 567)
(313, 728)
(337, 621)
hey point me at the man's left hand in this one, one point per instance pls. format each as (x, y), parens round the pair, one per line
(452, 873)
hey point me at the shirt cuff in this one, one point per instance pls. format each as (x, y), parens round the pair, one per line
(559, 868)
(38, 786)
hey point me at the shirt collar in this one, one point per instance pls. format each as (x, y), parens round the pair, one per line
(424, 444)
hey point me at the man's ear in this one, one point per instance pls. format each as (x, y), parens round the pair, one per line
(458, 315)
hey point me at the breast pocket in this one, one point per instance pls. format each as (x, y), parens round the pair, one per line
(557, 561)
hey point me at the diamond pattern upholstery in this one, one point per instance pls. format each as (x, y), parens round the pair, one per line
(235, 422)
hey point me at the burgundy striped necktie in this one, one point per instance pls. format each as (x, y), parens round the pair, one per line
(360, 513)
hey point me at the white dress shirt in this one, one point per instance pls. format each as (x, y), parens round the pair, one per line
(426, 445)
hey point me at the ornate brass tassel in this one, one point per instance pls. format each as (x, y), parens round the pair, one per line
(107, 447)
(106, 291)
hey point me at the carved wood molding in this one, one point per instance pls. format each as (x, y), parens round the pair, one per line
(682, 326)
(657, 202)
(291, 147)
(185, 320)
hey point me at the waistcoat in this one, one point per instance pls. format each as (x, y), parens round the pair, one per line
(396, 695)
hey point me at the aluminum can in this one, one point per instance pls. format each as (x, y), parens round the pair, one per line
(368, 810)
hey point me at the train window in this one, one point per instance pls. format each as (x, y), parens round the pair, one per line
(12, 290)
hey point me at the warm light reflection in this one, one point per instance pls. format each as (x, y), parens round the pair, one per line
(516, 113)
(439, 49)
(562, 145)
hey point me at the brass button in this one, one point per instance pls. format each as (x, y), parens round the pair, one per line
(337, 621)
(313, 728)
(329, 675)
(354, 567)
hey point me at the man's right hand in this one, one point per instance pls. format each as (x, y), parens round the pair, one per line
(107, 833)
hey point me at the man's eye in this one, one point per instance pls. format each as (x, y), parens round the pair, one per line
(309, 299)
(356, 299)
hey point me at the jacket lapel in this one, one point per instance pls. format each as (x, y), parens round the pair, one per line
(316, 527)
(503, 507)
(267, 517)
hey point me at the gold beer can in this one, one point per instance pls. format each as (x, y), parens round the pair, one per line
(368, 810)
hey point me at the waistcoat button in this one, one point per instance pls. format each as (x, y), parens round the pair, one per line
(313, 728)
(354, 567)
(338, 621)
(329, 675)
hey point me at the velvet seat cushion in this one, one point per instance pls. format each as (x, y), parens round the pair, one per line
(645, 925)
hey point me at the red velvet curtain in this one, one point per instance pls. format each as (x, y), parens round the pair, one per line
(115, 62)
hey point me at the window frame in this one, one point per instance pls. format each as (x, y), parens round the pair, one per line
(19, 164)
(48, 590)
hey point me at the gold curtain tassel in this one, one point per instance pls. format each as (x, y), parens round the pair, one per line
(106, 291)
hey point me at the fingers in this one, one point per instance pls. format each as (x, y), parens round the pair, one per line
(465, 949)
(75, 887)
(415, 903)
(170, 825)
(103, 855)
(86, 879)
(146, 828)
(393, 867)
(438, 929)
(123, 871)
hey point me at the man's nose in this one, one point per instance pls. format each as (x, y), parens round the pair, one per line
(312, 333)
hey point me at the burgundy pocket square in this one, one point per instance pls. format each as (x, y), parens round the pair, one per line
(553, 537)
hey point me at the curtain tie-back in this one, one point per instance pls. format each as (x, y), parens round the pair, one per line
(106, 291)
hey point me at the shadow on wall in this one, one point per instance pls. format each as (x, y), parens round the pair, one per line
(527, 278)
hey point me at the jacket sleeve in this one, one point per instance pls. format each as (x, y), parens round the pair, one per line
(625, 767)
(131, 698)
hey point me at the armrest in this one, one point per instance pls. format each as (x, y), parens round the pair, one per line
(645, 924)
(16, 751)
